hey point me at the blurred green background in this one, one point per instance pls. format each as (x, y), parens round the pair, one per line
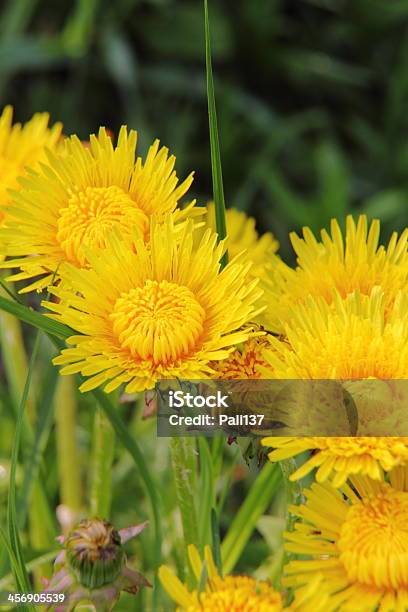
(312, 95)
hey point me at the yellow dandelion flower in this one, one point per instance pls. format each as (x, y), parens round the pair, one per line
(22, 146)
(244, 362)
(72, 203)
(243, 236)
(357, 538)
(353, 339)
(347, 263)
(347, 342)
(236, 593)
(155, 311)
(339, 458)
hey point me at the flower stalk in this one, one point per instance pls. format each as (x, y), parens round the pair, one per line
(67, 450)
(183, 458)
(103, 454)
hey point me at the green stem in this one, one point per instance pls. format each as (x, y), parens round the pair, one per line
(67, 452)
(294, 497)
(183, 459)
(103, 454)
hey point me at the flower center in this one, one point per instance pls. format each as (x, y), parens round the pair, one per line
(238, 594)
(373, 541)
(160, 321)
(91, 214)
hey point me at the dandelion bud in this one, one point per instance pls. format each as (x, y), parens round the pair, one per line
(94, 552)
(92, 568)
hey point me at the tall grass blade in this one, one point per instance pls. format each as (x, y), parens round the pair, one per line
(215, 531)
(206, 492)
(36, 319)
(21, 576)
(16, 575)
(216, 169)
(6, 582)
(255, 504)
(41, 434)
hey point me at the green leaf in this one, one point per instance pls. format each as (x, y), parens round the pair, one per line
(244, 523)
(36, 319)
(216, 169)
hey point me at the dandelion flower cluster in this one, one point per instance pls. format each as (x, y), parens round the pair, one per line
(352, 338)
(141, 285)
(82, 194)
(237, 593)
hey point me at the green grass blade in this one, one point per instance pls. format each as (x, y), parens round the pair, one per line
(6, 582)
(255, 504)
(215, 531)
(42, 431)
(36, 319)
(216, 168)
(206, 492)
(21, 577)
(16, 575)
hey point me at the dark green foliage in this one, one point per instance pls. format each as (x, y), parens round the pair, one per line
(311, 95)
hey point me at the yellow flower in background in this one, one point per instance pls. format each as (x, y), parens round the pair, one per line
(22, 146)
(346, 263)
(244, 362)
(74, 202)
(243, 236)
(236, 593)
(357, 538)
(339, 458)
(352, 339)
(154, 311)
